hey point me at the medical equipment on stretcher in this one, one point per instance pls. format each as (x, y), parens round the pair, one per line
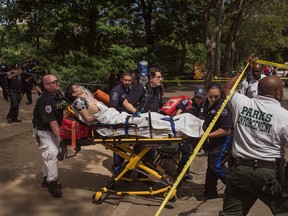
(75, 135)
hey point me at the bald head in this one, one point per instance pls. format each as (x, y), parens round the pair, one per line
(271, 86)
(51, 83)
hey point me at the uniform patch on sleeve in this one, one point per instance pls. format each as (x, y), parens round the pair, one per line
(48, 109)
(115, 96)
(224, 112)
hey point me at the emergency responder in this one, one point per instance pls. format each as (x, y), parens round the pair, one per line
(219, 140)
(196, 109)
(257, 169)
(14, 92)
(250, 84)
(3, 79)
(28, 80)
(47, 118)
(117, 95)
(144, 99)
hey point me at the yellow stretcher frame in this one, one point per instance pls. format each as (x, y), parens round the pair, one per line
(123, 146)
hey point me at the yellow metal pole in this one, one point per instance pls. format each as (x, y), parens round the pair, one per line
(200, 143)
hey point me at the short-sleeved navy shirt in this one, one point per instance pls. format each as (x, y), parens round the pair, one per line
(146, 99)
(117, 96)
(224, 121)
(45, 111)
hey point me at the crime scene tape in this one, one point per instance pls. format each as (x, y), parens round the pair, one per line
(200, 143)
(272, 63)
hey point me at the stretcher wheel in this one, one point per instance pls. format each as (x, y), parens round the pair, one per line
(97, 198)
(173, 198)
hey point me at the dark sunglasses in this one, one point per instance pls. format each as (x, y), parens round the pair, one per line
(54, 82)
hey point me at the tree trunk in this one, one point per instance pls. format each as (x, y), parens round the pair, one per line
(183, 56)
(92, 35)
(147, 12)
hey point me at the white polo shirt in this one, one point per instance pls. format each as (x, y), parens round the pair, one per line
(260, 127)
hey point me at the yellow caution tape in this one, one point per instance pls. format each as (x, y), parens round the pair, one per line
(200, 143)
(272, 63)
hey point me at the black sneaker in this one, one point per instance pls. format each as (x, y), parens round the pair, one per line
(16, 120)
(44, 183)
(9, 121)
(188, 177)
(205, 197)
(55, 189)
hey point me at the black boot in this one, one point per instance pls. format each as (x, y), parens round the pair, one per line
(55, 189)
(44, 183)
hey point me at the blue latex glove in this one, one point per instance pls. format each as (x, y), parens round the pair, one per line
(136, 114)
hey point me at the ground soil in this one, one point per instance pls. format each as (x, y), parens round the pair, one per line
(81, 176)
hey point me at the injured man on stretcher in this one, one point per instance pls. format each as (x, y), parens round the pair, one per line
(91, 111)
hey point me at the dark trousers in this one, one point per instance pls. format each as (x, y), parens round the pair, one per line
(4, 86)
(186, 149)
(15, 98)
(245, 185)
(216, 170)
(27, 89)
(117, 163)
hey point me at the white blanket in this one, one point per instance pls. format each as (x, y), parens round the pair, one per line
(183, 125)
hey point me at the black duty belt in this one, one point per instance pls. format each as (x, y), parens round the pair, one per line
(15, 90)
(255, 163)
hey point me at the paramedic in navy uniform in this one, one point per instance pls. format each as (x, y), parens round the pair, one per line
(220, 140)
(46, 123)
(117, 95)
(260, 137)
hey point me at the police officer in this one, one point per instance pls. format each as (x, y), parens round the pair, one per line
(258, 150)
(116, 97)
(28, 80)
(219, 140)
(47, 118)
(3, 79)
(14, 92)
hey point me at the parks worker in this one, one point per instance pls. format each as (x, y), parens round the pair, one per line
(257, 169)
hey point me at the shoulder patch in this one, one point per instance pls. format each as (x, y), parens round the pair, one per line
(115, 96)
(224, 112)
(48, 109)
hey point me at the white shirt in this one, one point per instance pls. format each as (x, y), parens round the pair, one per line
(260, 127)
(250, 89)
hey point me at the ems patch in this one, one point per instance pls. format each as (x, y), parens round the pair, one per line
(48, 109)
(115, 96)
(224, 112)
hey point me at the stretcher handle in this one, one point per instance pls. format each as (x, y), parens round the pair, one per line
(200, 143)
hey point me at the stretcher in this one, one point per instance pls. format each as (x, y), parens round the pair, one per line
(135, 160)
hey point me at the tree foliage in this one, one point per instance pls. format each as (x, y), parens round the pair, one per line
(83, 41)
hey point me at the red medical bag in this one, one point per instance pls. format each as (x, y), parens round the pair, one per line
(170, 107)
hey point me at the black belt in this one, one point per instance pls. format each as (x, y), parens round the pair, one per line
(37, 128)
(15, 90)
(255, 163)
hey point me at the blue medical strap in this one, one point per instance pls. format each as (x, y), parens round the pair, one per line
(126, 128)
(171, 120)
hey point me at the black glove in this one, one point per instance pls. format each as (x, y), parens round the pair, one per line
(272, 187)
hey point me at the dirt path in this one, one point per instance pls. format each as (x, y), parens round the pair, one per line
(20, 173)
